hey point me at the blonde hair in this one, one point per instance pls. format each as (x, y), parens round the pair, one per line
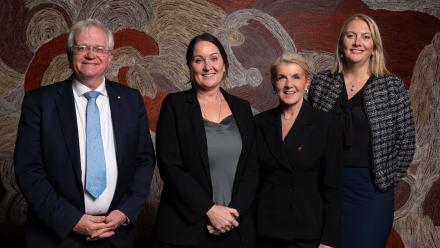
(290, 58)
(377, 60)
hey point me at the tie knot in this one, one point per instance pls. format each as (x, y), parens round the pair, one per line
(91, 95)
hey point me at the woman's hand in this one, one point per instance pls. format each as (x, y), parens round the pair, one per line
(222, 218)
(212, 230)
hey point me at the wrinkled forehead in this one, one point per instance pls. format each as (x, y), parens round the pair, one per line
(92, 33)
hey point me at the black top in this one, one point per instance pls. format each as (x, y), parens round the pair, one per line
(357, 134)
(299, 194)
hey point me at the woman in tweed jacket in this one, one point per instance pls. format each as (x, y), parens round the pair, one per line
(379, 134)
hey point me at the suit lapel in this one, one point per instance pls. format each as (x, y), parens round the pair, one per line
(65, 104)
(271, 130)
(116, 100)
(195, 116)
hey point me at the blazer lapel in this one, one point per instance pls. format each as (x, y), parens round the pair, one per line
(195, 115)
(301, 130)
(65, 104)
(271, 130)
(242, 124)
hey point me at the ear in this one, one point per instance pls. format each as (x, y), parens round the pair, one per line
(306, 88)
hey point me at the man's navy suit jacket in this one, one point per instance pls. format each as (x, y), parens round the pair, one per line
(48, 169)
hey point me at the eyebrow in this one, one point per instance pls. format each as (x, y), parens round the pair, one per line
(356, 32)
(197, 55)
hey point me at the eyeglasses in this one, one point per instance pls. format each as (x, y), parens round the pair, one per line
(84, 49)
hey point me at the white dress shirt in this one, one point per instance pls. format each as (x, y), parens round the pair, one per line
(100, 205)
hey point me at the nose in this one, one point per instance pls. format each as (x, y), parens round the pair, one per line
(90, 54)
(288, 84)
(356, 41)
(207, 65)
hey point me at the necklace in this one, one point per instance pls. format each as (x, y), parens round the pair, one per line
(354, 85)
(205, 116)
(353, 88)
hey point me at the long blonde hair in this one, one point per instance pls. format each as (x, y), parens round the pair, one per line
(377, 60)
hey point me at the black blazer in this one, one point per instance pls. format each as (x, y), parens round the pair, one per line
(299, 193)
(48, 169)
(183, 164)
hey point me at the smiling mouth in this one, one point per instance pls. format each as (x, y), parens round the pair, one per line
(208, 75)
(289, 92)
(356, 51)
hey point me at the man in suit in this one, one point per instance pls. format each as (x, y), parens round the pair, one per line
(84, 158)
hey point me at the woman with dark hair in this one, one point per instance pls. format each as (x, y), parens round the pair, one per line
(205, 141)
(299, 152)
(379, 133)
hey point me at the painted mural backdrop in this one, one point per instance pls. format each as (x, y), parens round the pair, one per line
(150, 44)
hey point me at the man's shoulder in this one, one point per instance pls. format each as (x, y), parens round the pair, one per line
(120, 86)
(50, 89)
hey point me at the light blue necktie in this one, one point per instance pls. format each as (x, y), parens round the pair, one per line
(95, 160)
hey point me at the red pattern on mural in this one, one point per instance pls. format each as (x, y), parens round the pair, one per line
(394, 240)
(431, 204)
(153, 108)
(142, 42)
(122, 75)
(41, 61)
(401, 194)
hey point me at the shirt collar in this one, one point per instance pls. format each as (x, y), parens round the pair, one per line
(79, 88)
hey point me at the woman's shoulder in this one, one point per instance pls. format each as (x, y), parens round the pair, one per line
(235, 99)
(389, 77)
(323, 79)
(318, 115)
(266, 115)
(391, 82)
(176, 97)
(325, 74)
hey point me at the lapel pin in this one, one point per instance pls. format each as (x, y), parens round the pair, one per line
(300, 148)
(119, 97)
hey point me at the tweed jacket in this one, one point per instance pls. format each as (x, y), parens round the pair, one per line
(388, 110)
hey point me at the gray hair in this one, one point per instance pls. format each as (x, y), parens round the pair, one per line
(85, 24)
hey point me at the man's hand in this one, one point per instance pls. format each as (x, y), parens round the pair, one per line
(113, 220)
(89, 224)
(324, 246)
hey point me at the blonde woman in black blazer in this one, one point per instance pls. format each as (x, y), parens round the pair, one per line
(207, 158)
(299, 153)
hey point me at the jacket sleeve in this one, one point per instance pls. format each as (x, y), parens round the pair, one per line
(188, 195)
(405, 129)
(135, 196)
(331, 181)
(52, 209)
